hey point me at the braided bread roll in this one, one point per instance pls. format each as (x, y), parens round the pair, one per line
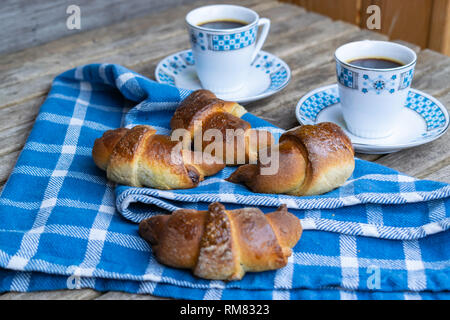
(220, 244)
(138, 157)
(312, 160)
(202, 106)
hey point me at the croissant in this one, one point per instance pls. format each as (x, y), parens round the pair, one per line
(138, 157)
(312, 160)
(203, 107)
(222, 245)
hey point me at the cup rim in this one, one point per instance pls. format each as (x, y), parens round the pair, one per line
(209, 30)
(412, 63)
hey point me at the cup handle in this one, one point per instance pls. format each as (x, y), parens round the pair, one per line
(265, 23)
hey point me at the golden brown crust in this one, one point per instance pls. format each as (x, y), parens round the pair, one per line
(139, 157)
(221, 244)
(103, 146)
(203, 108)
(287, 228)
(175, 238)
(197, 106)
(312, 160)
(258, 245)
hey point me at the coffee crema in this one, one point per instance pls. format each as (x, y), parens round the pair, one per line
(223, 24)
(376, 63)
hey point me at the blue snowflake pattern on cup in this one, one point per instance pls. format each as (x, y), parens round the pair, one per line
(378, 84)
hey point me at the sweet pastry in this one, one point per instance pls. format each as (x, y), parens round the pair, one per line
(223, 244)
(139, 157)
(203, 111)
(312, 160)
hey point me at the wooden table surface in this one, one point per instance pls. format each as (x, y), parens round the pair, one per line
(305, 40)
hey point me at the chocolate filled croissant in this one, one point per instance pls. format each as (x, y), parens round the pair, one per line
(312, 160)
(223, 244)
(138, 157)
(204, 108)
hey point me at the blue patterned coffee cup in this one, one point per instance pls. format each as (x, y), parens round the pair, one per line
(372, 99)
(223, 57)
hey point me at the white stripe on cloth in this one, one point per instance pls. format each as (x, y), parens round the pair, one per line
(84, 103)
(349, 262)
(215, 291)
(30, 241)
(72, 121)
(283, 280)
(98, 232)
(154, 271)
(415, 267)
(56, 148)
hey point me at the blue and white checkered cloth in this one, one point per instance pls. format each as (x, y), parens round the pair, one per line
(383, 235)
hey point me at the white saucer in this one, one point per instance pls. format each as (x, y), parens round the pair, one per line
(269, 74)
(424, 119)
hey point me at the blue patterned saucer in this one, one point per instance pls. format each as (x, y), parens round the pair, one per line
(424, 119)
(268, 75)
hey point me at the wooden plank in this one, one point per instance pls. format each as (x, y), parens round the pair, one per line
(46, 19)
(439, 38)
(21, 113)
(117, 295)
(408, 20)
(101, 42)
(442, 175)
(7, 163)
(81, 294)
(128, 44)
(345, 10)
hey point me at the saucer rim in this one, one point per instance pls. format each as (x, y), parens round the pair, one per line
(389, 148)
(242, 100)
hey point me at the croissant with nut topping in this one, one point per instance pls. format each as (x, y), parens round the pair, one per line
(223, 244)
(138, 157)
(203, 108)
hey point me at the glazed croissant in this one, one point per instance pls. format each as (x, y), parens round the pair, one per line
(203, 107)
(220, 244)
(139, 157)
(312, 160)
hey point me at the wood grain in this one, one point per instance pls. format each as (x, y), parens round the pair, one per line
(26, 23)
(439, 38)
(407, 20)
(81, 294)
(345, 10)
(423, 22)
(305, 40)
(27, 75)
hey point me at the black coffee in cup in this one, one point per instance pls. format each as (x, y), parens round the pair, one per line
(223, 24)
(376, 63)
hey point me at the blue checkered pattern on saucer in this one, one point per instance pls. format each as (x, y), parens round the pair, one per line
(383, 235)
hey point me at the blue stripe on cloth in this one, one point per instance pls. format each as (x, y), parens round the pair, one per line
(383, 235)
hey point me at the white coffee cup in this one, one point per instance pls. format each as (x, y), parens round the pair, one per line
(223, 57)
(372, 99)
